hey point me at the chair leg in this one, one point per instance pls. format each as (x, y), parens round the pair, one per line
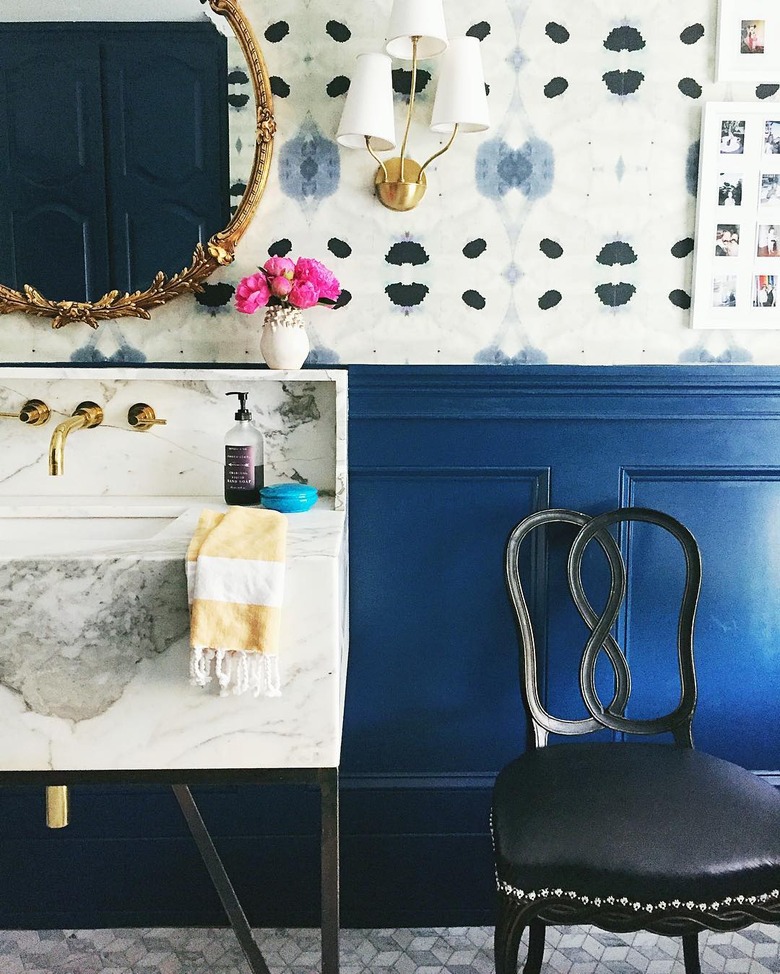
(510, 925)
(690, 943)
(533, 962)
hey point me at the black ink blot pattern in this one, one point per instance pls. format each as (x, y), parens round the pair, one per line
(344, 298)
(624, 38)
(550, 248)
(474, 300)
(280, 248)
(215, 295)
(617, 252)
(277, 32)
(615, 295)
(557, 33)
(689, 87)
(555, 87)
(407, 252)
(402, 81)
(680, 299)
(339, 248)
(692, 34)
(683, 247)
(279, 87)
(475, 248)
(550, 299)
(480, 30)
(766, 91)
(237, 100)
(337, 86)
(338, 31)
(406, 295)
(400, 254)
(623, 82)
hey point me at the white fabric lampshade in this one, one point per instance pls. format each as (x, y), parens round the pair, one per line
(460, 97)
(368, 110)
(416, 18)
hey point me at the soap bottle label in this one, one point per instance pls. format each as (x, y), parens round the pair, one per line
(239, 467)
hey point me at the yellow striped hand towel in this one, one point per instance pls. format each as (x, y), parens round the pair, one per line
(235, 584)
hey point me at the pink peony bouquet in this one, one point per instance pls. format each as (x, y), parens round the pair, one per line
(300, 284)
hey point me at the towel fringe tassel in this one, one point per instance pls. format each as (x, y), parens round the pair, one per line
(236, 670)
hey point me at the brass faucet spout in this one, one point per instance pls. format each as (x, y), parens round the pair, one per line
(86, 416)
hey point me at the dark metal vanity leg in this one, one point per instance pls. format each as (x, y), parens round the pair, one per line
(220, 879)
(329, 861)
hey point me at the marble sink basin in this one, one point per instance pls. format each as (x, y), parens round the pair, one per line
(86, 594)
(84, 526)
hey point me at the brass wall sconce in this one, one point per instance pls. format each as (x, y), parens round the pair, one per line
(417, 31)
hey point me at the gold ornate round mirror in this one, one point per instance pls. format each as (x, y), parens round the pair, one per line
(108, 205)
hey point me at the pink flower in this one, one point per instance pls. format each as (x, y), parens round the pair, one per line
(279, 267)
(280, 286)
(252, 293)
(303, 295)
(313, 272)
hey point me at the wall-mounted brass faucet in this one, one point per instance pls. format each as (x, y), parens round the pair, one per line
(33, 413)
(86, 415)
(142, 417)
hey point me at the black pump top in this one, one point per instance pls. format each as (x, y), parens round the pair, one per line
(243, 413)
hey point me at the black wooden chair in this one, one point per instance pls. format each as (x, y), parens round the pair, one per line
(625, 836)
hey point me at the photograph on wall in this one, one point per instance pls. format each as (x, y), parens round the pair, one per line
(737, 242)
(724, 291)
(764, 294)
(767, 241)
(748, 46)
(727, 240)
(752, 37)
(732, 137)
(730, 189)
(770, 189)
(772, 138)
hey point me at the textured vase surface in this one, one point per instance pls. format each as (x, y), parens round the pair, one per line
(284, 342)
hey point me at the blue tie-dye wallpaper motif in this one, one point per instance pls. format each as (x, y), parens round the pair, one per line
(309, 165)
(530, 168)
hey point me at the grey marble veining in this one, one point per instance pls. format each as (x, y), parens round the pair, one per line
(75, 630)
(301, 414)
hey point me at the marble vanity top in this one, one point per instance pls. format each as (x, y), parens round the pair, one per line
(94, 649)
(94, 624)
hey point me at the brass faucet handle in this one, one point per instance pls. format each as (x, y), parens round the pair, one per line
(92, 413)
(33, 413)
(142, 417)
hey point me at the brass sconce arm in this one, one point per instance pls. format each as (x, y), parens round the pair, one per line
(440, 152)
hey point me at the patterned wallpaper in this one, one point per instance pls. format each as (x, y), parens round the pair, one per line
(562, 235)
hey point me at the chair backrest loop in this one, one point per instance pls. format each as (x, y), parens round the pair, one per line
(611, 716)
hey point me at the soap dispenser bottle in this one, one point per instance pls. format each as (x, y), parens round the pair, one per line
(244, 458)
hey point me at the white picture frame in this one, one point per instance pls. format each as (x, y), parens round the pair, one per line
(748, 44)
(736, 267)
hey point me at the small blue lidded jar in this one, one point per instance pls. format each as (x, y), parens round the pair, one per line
(288, 498)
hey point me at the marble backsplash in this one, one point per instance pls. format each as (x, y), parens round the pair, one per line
(302, 416)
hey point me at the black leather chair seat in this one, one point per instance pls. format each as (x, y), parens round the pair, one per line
(650, 822)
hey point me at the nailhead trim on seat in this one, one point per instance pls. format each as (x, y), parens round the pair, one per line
(597, 901)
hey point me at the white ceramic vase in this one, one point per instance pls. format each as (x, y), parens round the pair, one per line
(284, 342)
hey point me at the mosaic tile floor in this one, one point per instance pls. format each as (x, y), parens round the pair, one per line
(460, 950)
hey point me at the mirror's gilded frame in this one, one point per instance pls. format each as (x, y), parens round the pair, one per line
(205, 260)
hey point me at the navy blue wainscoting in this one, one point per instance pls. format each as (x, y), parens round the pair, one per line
(444, 461)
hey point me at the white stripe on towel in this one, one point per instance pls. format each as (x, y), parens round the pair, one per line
(236, 580)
